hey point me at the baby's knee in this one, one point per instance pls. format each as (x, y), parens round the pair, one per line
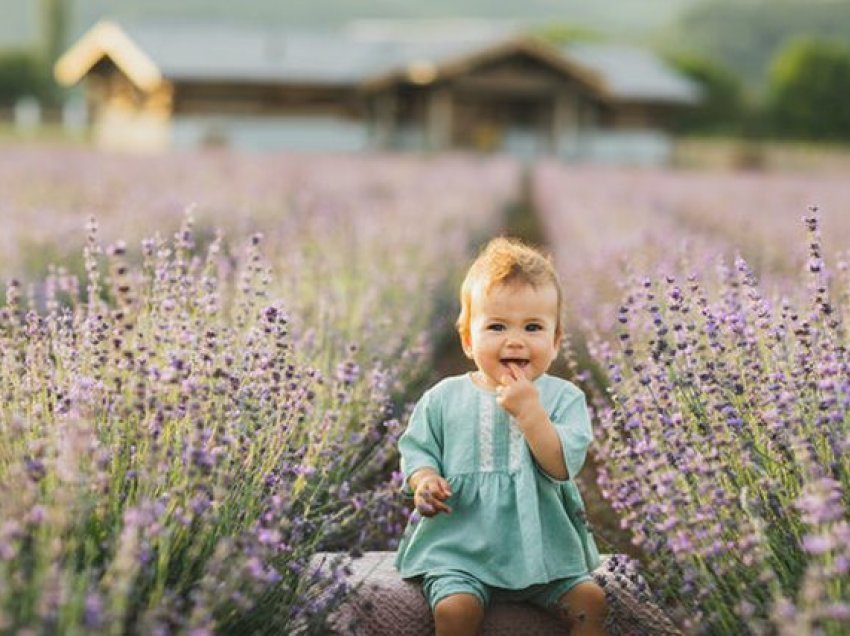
(596, 601)
(458, 609)
(586, 602)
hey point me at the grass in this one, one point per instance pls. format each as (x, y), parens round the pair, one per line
(732, 153)
(51, 133)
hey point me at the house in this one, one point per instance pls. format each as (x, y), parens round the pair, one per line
(154, 87)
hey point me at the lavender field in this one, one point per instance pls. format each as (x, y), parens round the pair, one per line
(716, 309)
(190, 413)
(205, 361)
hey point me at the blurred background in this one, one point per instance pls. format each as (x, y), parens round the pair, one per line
(684, 82)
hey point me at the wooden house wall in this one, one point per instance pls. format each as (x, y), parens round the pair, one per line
(124, 117)
(636, 116)
(249, 98)
(506, 101)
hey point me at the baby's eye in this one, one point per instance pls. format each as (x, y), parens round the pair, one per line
(496, 327)
(533, 327)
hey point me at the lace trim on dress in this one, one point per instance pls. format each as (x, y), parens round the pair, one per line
(485, 433)
(515, 447)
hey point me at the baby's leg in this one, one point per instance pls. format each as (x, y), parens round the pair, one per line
(584, 608)
(458, 615)
(458, 601)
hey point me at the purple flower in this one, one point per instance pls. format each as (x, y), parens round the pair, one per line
(818, 544)
(821, 502)
(93, 611)
(837, 612)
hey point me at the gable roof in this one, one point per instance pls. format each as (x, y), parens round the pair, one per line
(464, 61)
(149, 53)
(107, 39)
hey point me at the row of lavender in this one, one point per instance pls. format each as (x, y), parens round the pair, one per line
(718, 321)
(187, 417)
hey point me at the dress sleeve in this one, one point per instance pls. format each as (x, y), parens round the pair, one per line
(421, 444)
(572, 423)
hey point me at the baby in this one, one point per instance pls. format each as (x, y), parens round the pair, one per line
(490, 458)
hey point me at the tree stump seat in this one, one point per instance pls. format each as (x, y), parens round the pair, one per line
(387, 605)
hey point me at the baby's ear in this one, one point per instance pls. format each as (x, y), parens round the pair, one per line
(466, 343)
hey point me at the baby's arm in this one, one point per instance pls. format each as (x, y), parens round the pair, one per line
(544, 444)
(421, 458)
(430, 490)
(519, 397)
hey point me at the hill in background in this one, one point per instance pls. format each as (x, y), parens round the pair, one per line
(744, 36)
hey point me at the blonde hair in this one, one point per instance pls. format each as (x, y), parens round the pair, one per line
(507, 260)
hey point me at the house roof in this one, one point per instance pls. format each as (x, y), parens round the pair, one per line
(634, 74)
(463, 61)
(149, 53)
(251, 53)
(106, 39)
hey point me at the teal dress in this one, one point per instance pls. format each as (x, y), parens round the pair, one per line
(512, 525)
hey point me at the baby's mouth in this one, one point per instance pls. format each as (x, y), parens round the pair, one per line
(517, 361)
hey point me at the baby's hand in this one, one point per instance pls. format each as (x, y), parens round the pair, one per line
(431, 491)
(518, 396)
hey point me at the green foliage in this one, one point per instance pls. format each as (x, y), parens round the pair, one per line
(747, 35)
(721, 109)
(54, 16)
(22, 73)
(809, 94)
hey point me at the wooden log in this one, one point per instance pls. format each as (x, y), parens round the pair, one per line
(386, 605)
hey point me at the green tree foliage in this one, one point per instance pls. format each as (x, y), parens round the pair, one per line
(809, 90)
(722, 107)
(54, 22)
(27, 71)
(745, 36)
(23, 73)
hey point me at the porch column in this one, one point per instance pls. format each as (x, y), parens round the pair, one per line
(588, 124)
(440, 119)
(565, 124)
(384, 119)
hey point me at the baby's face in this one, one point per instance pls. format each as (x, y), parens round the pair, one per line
(512, 323)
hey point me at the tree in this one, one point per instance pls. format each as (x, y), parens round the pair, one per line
(746, 35)
(721, 109)
(22, 74)
(809, 90)
(28, 72)
(54, 14)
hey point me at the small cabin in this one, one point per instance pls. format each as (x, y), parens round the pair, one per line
(178, 86)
